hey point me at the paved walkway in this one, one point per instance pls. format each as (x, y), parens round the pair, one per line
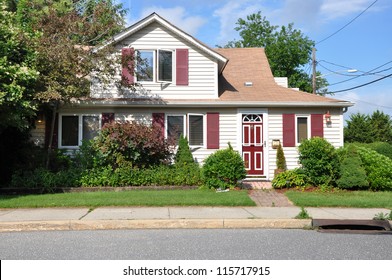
(170, 217)
(269, 198)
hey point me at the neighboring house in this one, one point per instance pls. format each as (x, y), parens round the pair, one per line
(212, 96)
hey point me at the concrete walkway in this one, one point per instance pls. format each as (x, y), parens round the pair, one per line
(170, 217)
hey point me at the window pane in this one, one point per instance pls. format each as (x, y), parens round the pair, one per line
(175, 127)
(196, 130)
(90, 127)
(69, 131)
(165, 66)
(302, 129)
(145, 66)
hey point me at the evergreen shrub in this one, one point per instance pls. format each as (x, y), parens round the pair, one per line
(184, 154)
(319, 160)
(280, 158)
(352, 174)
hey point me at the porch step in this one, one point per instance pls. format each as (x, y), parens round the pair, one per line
(257, 184)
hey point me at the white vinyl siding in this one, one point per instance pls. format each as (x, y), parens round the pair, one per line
(203, 69)
(333, 133)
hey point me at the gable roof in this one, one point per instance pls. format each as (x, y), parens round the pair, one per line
(251, 65)
(154, 17)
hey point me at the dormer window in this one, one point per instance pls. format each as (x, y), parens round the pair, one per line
(165, 66)
(156, 66)
(145, 66)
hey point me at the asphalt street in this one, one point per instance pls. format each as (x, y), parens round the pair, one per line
(194, 244)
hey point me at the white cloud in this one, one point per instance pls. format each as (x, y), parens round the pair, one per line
(332, 9)
(229, 14)
(179, 17)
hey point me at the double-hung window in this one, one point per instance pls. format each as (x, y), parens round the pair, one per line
(175, 126)
(191, 126)
(196, 130)
(155, 66)
(303, 132)
(75, 128)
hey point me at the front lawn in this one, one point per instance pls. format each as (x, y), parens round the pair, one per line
(356, 199)
(129, 198)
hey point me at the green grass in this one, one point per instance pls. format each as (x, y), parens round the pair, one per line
(129, 198)
(356, 199)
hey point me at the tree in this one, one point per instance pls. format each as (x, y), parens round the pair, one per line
(368, 129)
(287, 49)
(17, 73)
(358, 129)
(65, 58)
(17, 78)
(381, 127)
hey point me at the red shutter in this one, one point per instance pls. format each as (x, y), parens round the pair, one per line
(128, 64)
(212, 130)
(107, 118)
(182, 67)
(288, 130)
(158, 119)
(317, 125)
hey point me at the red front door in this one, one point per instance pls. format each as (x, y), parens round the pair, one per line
(252, 143)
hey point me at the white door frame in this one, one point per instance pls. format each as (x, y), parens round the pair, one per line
(264, 112)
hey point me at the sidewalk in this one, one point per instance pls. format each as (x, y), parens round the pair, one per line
(170, 217)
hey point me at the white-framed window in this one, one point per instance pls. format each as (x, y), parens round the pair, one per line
(165, 66)
(192, 126)
(145, 60)
(302, 128)
(175, 126)
(196, 128)
(74, 128)
(155, 66)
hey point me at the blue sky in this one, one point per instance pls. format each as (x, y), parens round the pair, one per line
(364, 45)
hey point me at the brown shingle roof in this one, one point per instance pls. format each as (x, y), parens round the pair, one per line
(251, 65)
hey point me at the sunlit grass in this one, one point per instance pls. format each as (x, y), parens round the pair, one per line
(357, 199)
(129, 198)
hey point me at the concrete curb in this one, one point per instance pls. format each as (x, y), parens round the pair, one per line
(154, 224)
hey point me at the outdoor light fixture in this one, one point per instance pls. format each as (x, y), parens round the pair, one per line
(327, 117)
(275, 143)
(40, 117)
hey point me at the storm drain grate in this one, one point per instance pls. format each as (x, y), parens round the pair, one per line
(353, 226)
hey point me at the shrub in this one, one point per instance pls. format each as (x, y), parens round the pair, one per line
(352, 174)
(380, 147)
(184, 154)
(319, 160)
(45, 180)
(280, 158)
(163, 175)
(378, 168)
(290, 179)
(223, 169)
(130, 144)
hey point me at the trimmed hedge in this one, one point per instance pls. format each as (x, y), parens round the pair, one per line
(163, 175)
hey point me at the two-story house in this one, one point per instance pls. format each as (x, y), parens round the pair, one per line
(212, 96)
